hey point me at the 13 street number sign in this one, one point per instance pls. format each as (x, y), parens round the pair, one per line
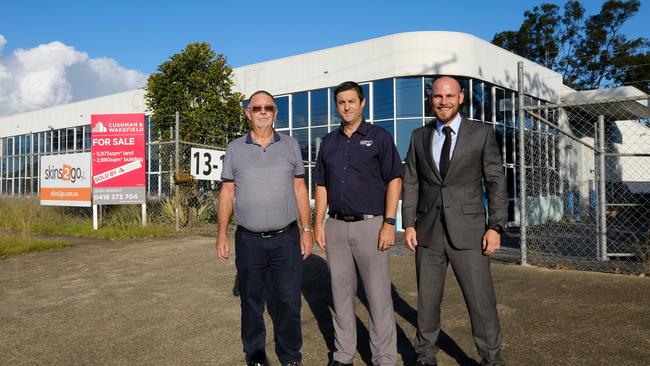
(118, 158)
(206, 164)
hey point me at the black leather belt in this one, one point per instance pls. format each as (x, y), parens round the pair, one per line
(268, 234)
(351, 218)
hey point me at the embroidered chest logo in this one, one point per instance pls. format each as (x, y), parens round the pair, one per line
(367, 143)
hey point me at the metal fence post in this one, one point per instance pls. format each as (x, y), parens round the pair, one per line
(522, 164)
(602, 196)
(177, 193)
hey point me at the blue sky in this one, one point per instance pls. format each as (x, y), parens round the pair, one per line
(142, 34)
(115, 44)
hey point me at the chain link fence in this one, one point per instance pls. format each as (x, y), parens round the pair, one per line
(585, 183)
(175, 196)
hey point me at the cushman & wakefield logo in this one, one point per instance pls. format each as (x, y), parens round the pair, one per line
(66, 173)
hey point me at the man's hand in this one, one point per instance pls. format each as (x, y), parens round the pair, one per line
(223, 247)
(386, 237)
(319, 235)
(410, 238)
(491, 242)
(305, 244)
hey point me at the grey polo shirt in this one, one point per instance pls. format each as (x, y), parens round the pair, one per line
(264, 180)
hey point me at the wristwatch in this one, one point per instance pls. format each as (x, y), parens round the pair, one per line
(389, 220)
(307, 229)
(497, 228)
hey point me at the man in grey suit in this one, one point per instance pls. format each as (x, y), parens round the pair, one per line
(450, 163)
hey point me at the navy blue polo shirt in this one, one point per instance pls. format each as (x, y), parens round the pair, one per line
(356, 170)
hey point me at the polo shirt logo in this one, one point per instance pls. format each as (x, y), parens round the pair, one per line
(367, 143)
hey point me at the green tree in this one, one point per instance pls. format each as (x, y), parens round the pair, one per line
(589, 52)
(198, 84)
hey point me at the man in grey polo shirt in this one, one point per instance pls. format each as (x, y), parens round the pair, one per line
(263, 178)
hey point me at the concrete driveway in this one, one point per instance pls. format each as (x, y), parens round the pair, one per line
(169, 302)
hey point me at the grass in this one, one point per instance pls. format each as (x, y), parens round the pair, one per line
(10, 246)
(25, 217)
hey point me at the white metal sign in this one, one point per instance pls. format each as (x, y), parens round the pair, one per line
(207, 164)
(65, 180)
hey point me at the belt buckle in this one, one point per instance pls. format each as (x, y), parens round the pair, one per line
(348, 217)
(266, 235)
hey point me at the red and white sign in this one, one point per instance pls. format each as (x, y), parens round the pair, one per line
(118, 158)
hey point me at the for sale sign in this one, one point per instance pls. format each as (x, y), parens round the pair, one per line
(118, 158)
(65, 180)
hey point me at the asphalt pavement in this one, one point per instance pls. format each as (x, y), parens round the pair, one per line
(169, 302)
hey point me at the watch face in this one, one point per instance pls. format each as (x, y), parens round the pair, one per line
(389, 220)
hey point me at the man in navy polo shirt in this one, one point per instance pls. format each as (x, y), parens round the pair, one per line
(263, 178)
(359, 175)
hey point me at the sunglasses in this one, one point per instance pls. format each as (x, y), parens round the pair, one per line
(258, 108)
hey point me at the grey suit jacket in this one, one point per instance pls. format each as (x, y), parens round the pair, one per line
(475, 163)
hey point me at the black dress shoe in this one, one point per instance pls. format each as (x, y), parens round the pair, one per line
(294, 363)
(337, 363)
(255, 364)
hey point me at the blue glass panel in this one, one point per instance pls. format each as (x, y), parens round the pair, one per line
(387, 125)
(383, 99)
(87, 137)
(316, 133)
(464, 84)
(487, 102)
(366, 108)
(282, 120)
(319, 107)
(299, 110)
(408, 97)
(404, 129)
(302, 135)
(477, 100)
(428, 84)
(335, 118)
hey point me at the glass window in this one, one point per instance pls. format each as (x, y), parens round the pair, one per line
(388, 126)
(9, 146)
(87, 135)
(299, 110)
(464, 84)
(487, 104)
(336, 119)
(404, 129)
(428, 84)
(501, 104)
(55, 141)
(477, 100)
(302, 135)
(69, 146)
(282, 120)
(79, 138)
(317, 134)
(154, 158)
(27, 149)
(383, 99)
(510, 145)
(509, 108)
(408, 93)
(366, 108)
(319, 107)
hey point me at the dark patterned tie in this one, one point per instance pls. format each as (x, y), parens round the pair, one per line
(444, 155)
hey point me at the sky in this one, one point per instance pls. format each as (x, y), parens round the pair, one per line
(55, 52)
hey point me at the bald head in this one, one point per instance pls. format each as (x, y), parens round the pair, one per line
(447, 81)
(446, 98)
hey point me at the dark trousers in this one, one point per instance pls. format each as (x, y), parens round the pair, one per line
(472, 271)
(270, 272)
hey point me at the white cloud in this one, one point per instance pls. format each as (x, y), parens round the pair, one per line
(55, 73)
